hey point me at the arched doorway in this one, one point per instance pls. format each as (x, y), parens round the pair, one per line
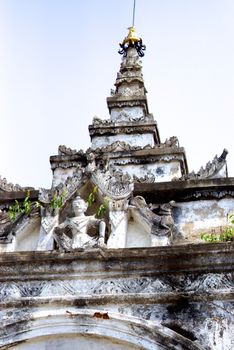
(90, 330)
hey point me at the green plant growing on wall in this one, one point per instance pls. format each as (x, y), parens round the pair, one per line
(20, 208)
(14, 210)
(226, 234)
(101, 210)
(231, 218)
(26, 207)
(92, 197)
(57, 201)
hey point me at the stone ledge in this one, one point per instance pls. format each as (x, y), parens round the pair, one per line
(19, 195)
(118, 299)
(208, 257)
(186, 189)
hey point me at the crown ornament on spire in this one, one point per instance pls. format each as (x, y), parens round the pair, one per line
(132, 40)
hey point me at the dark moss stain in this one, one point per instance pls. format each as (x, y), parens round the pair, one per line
(160, 171)
(185, 333)
(80, 302)
(177, 213)
(181, 305)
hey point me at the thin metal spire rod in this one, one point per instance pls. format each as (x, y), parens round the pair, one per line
(133, 15)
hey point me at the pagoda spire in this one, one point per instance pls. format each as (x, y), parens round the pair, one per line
(130, 121)
(128, 101)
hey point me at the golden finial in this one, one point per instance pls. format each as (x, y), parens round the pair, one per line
(132, 40)
(132, 37)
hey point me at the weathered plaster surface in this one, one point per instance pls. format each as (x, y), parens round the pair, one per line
(25, 237)
(193, 218)
(126, 113)
(60, 175)
(162, 171)
(138, 233)
(140, 140)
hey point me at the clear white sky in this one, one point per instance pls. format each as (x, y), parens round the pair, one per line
(58, 61)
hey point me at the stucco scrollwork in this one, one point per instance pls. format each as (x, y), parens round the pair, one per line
(148, 178)
(113, 183)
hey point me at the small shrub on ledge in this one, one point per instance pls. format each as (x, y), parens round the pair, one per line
(226, 234)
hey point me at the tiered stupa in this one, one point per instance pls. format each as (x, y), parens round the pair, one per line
(130, 138)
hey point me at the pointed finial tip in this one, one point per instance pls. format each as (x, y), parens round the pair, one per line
(132, 37)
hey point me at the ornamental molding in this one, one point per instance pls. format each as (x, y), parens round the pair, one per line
(137, 101)
(168, 286)
(117, 146)
(125, 129)
(66, 165)
(66, 151)
(150, 159)
(120, 146)
(98, 121)
(147, 178)
(130, 74)
(131, 62)
(129, 78)
(204, 194)
(124, 118)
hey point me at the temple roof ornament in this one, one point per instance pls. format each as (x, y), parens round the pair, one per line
(217, 168)
(132, 40)
(6, 186)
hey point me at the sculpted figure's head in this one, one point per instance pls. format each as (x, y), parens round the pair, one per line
(90, 157)
(79, 206)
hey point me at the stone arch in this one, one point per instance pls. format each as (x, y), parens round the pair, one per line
(92, 329)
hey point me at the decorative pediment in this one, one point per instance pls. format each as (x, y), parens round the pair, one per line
(66, 189)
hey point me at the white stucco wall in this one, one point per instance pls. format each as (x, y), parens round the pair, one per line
(126, 113)
(140, 140)
(60, 175)
(163, 171)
